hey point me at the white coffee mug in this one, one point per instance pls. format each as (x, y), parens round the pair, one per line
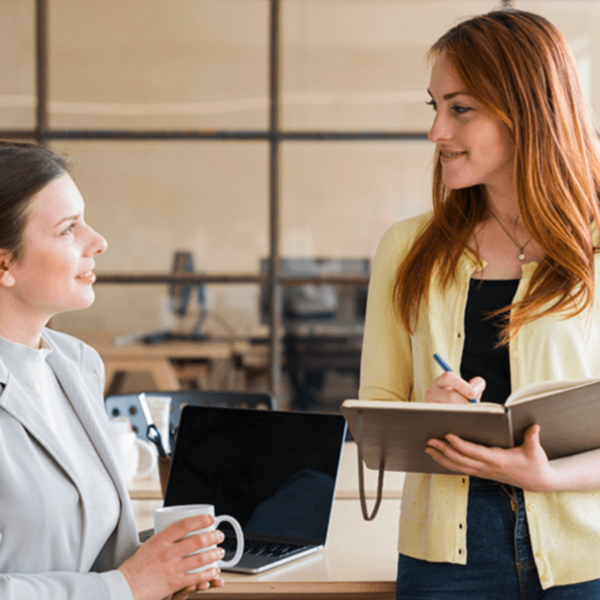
(163, 517)
(127, 447)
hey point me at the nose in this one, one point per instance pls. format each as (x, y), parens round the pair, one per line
(97, 244)
(441, 130)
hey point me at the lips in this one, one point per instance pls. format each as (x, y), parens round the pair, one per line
(86, 275)
(452, 154)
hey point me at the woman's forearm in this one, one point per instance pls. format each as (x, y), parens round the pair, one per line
(577, 473)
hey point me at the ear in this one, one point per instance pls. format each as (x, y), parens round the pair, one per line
(7, 279)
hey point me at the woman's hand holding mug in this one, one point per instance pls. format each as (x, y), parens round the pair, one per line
(176, 560)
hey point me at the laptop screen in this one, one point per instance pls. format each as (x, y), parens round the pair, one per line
(274, 471)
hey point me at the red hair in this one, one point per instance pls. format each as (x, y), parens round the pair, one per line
(519, 67)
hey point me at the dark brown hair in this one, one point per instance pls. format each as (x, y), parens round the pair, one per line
(25, 169)
(519, 67)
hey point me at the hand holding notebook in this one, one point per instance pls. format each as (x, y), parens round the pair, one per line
(395, 434)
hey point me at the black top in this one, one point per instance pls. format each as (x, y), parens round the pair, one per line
(481, 354)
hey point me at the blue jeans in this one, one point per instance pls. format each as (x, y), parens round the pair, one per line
(500, 563)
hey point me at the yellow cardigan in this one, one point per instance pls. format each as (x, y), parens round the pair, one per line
(564, 527)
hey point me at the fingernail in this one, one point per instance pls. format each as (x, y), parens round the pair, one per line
(221, 552)
(221, 536)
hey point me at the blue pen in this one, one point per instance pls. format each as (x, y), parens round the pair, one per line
(440, 361)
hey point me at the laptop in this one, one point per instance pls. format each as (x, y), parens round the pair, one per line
(274, 471)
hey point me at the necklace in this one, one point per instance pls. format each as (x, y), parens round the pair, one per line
(521, 256)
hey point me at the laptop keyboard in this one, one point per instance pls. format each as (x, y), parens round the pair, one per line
(254, 547)
(262, 548)
(145, 535)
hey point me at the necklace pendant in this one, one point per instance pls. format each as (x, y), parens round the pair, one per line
(521, 255)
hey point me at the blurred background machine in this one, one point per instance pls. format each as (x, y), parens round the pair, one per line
(323, 327)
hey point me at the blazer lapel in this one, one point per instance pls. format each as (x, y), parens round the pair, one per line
(75, 385)
(15, 400)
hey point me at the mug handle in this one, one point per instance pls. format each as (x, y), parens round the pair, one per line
(240, 541)
(146, 447)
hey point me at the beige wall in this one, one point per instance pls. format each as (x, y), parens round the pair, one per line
(196, 64)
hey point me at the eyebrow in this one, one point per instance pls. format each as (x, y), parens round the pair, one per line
(71, 218)
(450, 95)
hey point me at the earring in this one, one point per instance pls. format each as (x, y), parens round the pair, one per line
(9, 277)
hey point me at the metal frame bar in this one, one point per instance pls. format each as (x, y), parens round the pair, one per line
(41, 70)
(191, 278)
(274, 284)
(223, 135)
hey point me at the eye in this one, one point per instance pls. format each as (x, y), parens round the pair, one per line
(459, 109)
(68, 230)
(432, 103)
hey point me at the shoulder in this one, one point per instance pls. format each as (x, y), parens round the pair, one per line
(71, 349)
(393, 249)
(400, 237)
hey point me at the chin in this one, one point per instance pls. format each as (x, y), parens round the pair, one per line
(82, 302)
(457, 185)
(88, 302)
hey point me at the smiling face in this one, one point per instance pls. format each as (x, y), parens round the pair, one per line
(54, 272)
(474, 146)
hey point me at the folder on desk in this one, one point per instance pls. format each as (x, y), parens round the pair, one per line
(274, 471)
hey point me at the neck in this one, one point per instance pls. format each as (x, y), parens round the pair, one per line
(22, 329)
(19, 336)
(502, 200)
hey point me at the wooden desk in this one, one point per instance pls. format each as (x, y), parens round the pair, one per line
(158, 359)
(359, 560)
(346, 488)
(252, 363)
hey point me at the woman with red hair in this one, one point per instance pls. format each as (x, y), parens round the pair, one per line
(500, 280)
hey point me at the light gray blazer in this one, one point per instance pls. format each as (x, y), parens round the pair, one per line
(40, 549)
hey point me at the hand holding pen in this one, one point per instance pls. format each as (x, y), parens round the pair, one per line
(440, 361)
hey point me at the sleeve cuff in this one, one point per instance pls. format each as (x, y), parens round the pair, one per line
(117, 585)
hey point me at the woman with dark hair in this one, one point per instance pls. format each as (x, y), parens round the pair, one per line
(501, 281)
(67, 529)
